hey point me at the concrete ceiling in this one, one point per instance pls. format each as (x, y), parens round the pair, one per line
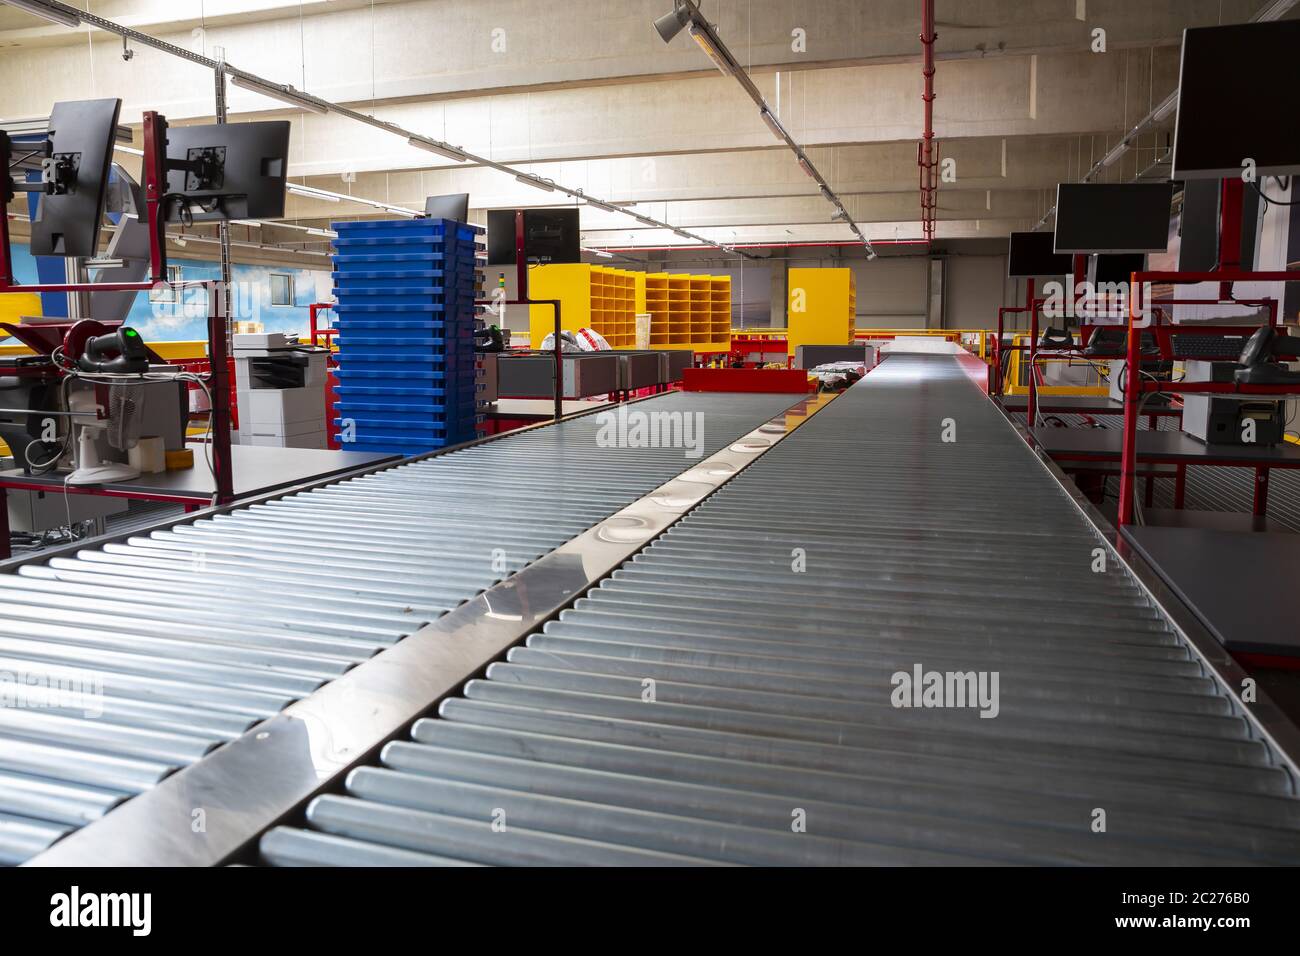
(586, 93)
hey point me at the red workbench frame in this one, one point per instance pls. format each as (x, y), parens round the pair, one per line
(155, 188)
(1134, 387)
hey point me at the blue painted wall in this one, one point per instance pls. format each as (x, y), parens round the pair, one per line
(187, 321)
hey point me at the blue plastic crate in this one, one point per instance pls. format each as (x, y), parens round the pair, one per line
(458, 261)
(386, 227)
(397, 299)
(413, 447)
(393, 410)
(371, 261)
(355, 356)
(403, 245)
(404, 395)
(380, 226)
(347, 309)
(388, 373)
(382, 324)
(414, 358)
(390, 431)
(405, 341)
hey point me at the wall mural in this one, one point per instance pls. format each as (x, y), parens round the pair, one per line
(165, 318)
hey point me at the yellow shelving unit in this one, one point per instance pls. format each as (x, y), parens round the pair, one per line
(701, 311)
(656, 303)
(639, 278)
(679, 311)
(687, 311)
(592, 297)
(822, 307)
(720, 314)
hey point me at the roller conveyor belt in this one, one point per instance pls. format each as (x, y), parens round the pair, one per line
(155, 650)
(710, 698)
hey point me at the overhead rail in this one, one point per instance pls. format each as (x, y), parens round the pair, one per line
(686, 15)
(72, 16)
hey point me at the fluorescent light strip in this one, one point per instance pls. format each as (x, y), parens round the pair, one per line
(285, 94)
(311, 192)
(277, 224)
(536, 182)
(703, 36)
(60, 14)
(434, 146)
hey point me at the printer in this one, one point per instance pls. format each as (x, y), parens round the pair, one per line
(280, 391)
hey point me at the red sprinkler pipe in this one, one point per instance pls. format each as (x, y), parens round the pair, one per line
(927, 154)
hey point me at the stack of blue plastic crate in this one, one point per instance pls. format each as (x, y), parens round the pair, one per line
(408, 376)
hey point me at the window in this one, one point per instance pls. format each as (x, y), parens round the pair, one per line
(281, 289)
(166, 293)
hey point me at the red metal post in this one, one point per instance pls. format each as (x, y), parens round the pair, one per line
(219, 386)
(928, 159)
(1260, 503)
(1032, 410)
(995, 371)
(1132, 391)
(155, 188)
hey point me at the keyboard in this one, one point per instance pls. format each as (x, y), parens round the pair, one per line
(1209, 347)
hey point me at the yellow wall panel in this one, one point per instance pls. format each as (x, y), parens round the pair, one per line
(822, 307)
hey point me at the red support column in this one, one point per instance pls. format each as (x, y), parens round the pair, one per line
(1032, 409)
(1132, 394)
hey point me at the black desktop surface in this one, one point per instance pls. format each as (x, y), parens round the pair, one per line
(1238, 583)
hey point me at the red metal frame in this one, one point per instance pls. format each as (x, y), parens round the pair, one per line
(792, 380)
(316, 331)
(155, 189)
(1134, 386)
(331, 363)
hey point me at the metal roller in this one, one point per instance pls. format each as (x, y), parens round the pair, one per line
(727, 695)
(183, 638)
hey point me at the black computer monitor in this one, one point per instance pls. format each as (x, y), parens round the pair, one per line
(81, 137)
(550, 235)
(1198, 226)
(1115, 268)
(1029, 254)
(230, 171)
(454, 206)
(1230, 86)
(1113, 217)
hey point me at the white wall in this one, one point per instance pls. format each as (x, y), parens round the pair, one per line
(977, 287)
(891, 292)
